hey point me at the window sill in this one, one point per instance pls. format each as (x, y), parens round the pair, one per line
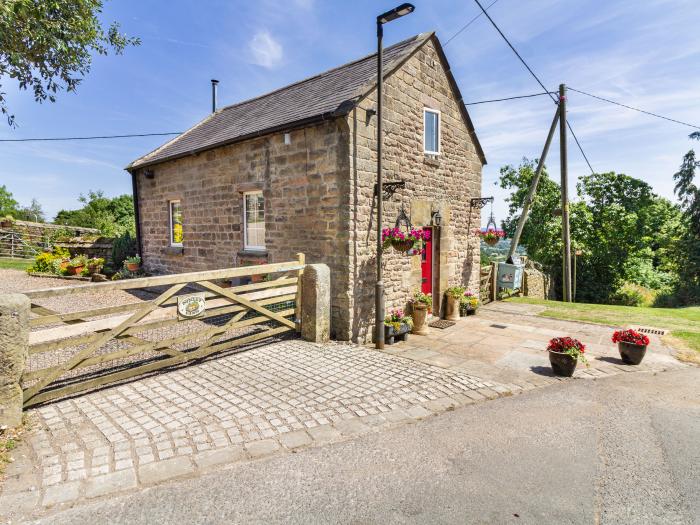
(431, 159)
(174, 250)
(253, 253)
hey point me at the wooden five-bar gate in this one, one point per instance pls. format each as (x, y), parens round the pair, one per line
(148, 326)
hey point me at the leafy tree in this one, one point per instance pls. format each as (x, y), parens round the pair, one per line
(8, 204)
(542, 232)
(688, 193)
(112, 217)
(33, 212)
(47, 45)
(626, 233)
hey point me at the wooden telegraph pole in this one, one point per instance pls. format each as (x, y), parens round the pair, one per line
(564, 195)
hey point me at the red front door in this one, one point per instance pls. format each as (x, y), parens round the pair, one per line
(426, 266)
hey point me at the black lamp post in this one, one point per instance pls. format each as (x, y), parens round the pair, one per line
(382, 19)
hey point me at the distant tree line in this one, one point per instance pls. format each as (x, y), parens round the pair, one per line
(114, 217)
(636, 247)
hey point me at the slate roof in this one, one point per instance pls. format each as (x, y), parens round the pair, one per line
(330, 94)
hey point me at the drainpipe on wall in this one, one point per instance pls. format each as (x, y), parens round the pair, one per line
(137, 215)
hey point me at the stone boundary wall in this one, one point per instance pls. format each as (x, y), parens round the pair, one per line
(537, 284)
(101, 247)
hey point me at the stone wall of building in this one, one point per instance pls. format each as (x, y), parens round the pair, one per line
(301, 184)
(319, 198)
(444, 183)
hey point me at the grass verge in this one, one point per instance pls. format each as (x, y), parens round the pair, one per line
(9, 440)
(683, 323)
(7, 263)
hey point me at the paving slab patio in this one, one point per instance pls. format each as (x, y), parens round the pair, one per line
(272, 399)
(505, 342)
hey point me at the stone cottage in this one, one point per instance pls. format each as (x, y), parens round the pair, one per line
(294, 171)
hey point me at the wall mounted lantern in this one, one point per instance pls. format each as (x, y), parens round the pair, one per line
(436, 219)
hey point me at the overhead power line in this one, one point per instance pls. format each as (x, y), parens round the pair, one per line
(44, 139)
(634, 109)
(535, 77)
(504, 99)
(467, 25)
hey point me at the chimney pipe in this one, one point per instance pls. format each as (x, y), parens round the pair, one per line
(214, 83)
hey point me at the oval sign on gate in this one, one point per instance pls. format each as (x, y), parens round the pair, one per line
(190, 306)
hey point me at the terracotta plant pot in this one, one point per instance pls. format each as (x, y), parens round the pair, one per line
(562, 364)
(452, 309)
(419, 313)
(76, 270)
(132, 267)
(491, 242)
(631, 353)
(402, 246)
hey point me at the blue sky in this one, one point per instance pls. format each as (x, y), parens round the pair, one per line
(640, 53)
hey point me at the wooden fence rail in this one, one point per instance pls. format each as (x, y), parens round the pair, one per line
(72, 351)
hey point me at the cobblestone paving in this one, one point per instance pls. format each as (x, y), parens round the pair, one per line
(277, 396)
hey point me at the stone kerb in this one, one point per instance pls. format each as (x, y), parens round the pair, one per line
(316, 303)
(14, 346)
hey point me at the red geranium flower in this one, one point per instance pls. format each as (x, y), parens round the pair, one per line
(630, 336)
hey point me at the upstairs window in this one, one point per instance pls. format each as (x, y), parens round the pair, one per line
(254, 221)
(175, 224)
(431, 131)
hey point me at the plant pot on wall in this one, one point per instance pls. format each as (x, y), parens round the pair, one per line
(133, 267)
(419, 312)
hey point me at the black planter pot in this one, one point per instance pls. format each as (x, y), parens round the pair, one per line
(562, 364)
(631, 353)
(471, 311)
(392, 335)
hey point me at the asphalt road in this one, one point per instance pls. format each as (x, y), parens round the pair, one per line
(624, 449)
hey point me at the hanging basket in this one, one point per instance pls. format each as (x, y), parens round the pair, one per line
(402, 246)
(491, 241)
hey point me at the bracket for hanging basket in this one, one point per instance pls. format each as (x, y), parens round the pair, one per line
(480, 202)
(390, 188)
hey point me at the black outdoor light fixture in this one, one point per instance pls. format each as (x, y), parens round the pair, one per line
(436, 218)
(382, 19)
(397, 12)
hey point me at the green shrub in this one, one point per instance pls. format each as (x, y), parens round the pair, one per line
(49, 262)
(123, 247)
(631, 294)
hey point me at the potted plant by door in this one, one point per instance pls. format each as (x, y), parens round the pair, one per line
(396, 326)
(453, 297)
(420, 307)
(468, 304)
(564, 354)
(632, 345)
(133, 263)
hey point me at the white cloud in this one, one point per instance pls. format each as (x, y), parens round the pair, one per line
(265, 50)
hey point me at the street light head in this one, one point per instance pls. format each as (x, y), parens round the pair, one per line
(397, 12)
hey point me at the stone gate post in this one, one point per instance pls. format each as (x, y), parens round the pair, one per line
(14, 348)
(316, 303)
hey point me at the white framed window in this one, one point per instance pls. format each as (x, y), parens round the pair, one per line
(253, 220)
(176, 236)
(431, 131)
